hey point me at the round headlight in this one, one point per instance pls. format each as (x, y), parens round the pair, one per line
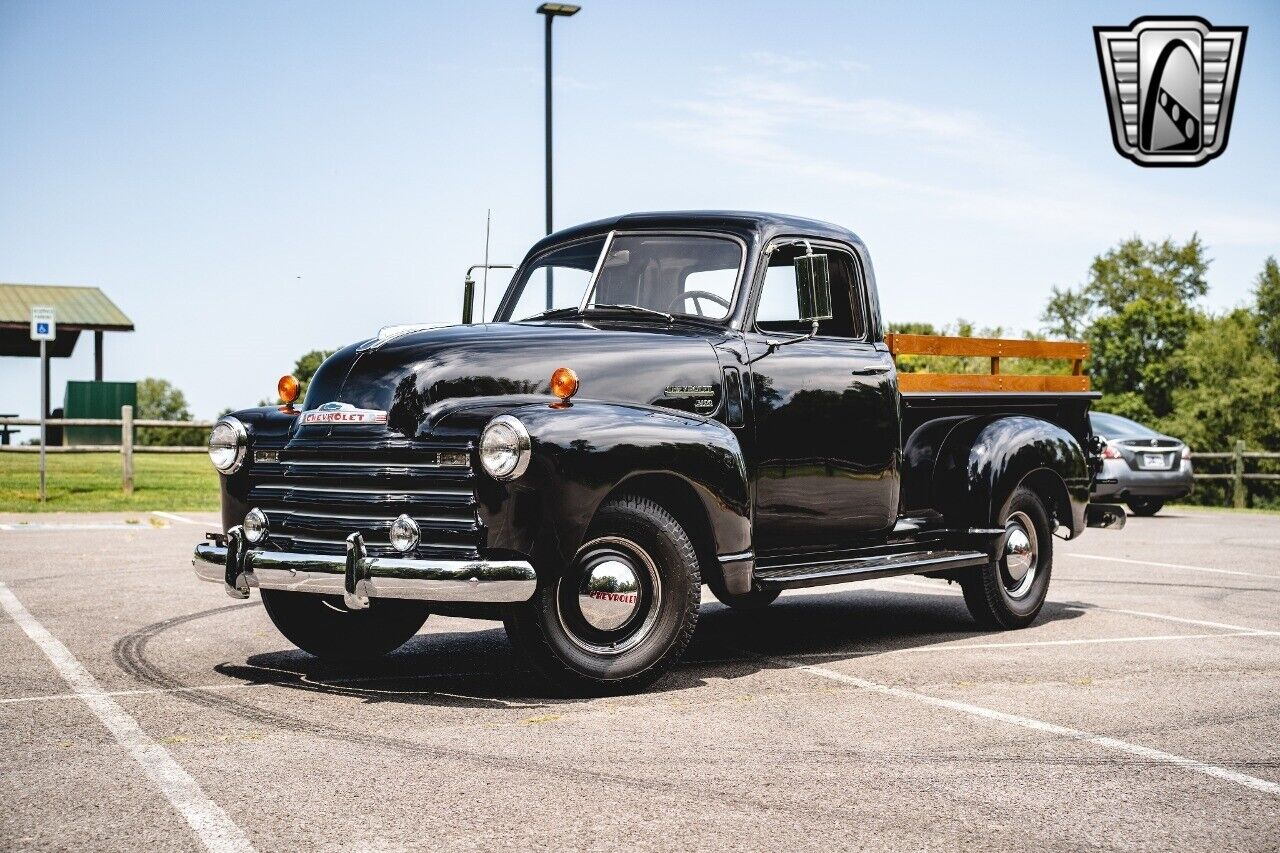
(227, 445)
(504, 448)
(256, 527)
(404, 534)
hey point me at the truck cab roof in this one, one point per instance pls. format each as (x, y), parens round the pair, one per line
(755, 228)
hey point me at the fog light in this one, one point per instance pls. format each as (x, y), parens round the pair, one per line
(404, 534)
(256, 526)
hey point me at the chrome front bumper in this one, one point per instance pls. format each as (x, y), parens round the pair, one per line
(358, 577)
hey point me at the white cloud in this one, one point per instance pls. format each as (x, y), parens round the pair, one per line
(955, 162)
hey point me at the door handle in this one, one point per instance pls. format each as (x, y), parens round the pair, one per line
(877, 370)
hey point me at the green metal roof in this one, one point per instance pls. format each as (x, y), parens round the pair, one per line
(78, 307)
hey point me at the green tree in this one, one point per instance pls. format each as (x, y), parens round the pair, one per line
(1266, 295)
(159, 400)
(1066, 314)
(1136, 309)
(1232, 387)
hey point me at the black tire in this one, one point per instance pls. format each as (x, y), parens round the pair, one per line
(553, 633)
(756, 599)
(995, 597)
(1144, 506)
(323, 626)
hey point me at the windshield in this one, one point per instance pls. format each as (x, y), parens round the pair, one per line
(679, 274)
(1114, 426)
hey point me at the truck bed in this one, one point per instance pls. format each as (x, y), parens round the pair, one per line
(932, 402)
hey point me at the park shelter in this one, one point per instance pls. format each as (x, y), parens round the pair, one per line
(77, 309)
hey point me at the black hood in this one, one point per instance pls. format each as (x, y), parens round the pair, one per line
(421, 376)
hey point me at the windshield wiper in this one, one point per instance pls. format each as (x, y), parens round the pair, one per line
(554, 312)
(640, 309)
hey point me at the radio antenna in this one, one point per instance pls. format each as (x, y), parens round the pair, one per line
(484, 286)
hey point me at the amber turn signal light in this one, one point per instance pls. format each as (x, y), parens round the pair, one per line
(288, 388)
(564, 383)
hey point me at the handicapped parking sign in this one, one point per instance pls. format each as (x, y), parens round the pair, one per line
(44, 324)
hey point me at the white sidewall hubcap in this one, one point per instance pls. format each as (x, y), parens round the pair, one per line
(1020, 562)
(616, 594)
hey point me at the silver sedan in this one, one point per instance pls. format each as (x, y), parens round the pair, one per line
(1140, 466)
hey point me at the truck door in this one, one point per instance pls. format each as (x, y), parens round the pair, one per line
(825, 414)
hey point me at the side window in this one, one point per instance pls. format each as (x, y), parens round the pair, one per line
(779, 308)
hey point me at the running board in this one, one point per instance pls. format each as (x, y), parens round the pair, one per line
(867, 568)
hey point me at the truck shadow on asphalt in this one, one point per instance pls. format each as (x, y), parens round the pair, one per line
(479, 669)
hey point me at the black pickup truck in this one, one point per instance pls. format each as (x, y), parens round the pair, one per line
(662, 401)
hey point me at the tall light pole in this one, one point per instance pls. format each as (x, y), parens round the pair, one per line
(552, 11)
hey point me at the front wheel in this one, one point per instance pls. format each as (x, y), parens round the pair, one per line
(1144, 506)
(623, 612)
(1010, 592)
(323, 626)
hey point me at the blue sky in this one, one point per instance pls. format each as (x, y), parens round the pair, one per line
(249, 181)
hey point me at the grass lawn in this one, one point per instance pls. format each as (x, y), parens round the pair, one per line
(91, 482)
(1203, 508)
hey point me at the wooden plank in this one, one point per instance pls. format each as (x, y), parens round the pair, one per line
(944, 382)
(900, 344)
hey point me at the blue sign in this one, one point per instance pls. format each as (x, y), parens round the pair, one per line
(42, 328)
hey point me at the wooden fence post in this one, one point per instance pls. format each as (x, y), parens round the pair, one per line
(126, 448)
(1237, 483)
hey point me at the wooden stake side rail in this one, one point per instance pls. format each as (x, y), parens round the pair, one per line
(994, 349)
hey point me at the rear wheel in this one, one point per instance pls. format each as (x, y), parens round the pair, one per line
(623, 612)
(323, 626)
(1145, 506)
(1010, 592)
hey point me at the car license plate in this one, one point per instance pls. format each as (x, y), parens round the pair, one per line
(1153, 460)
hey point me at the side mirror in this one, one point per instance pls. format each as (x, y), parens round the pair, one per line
(813, 287)
(469, 291)
(468, 299)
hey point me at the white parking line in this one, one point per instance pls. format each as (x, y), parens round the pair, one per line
(1256, 631)
(212, 826)
(1170, 565)
(960, 647)
(173, 516)
(1116, 744)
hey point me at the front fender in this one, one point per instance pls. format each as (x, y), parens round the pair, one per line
(984, 460)
(583, 452)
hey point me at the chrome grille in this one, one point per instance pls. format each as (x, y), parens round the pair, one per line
(318, 493)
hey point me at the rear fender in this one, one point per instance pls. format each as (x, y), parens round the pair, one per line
(984, 459)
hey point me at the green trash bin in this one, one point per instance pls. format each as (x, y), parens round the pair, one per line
(96, 400)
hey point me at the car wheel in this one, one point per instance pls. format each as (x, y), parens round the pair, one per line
(323, 626)
(1010, 592)
(1144, 506)
(622, 613)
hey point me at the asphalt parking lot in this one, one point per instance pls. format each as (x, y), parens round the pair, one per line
(141, 707)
